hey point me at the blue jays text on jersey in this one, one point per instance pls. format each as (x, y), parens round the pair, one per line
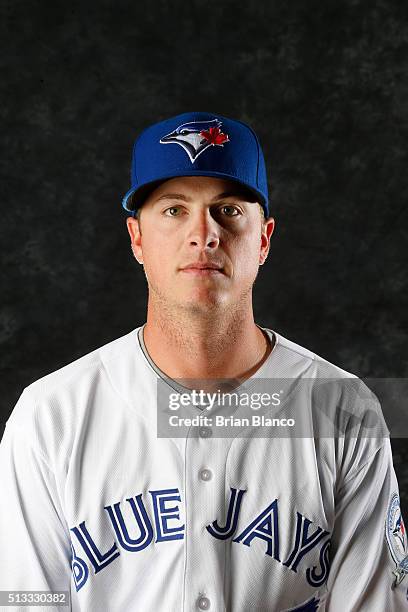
(165, 526)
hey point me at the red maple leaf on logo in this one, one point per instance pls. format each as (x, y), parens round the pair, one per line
(214, 136)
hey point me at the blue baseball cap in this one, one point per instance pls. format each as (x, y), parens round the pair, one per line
(196, 144)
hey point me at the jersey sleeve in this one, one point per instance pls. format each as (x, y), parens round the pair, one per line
(35, 552)
(369, 543)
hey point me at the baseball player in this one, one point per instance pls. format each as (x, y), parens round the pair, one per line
(126, 480)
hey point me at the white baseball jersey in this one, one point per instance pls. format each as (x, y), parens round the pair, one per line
(93, 501)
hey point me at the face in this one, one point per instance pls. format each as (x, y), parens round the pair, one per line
(188, 224)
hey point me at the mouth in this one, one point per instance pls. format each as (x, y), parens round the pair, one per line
(202, 270)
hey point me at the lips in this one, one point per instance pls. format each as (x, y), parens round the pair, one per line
(203, 268)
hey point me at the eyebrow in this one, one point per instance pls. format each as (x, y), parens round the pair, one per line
(220, 196)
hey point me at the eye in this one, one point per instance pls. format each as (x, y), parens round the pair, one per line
(171, 208)
(233, 210)
(184, 132)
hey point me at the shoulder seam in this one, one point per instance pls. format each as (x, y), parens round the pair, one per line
(282, 341)
(37, 396)
(356, 471)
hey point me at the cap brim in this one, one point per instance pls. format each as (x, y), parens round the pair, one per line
(135, 197)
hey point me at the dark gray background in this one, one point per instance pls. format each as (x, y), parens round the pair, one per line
(324, 84)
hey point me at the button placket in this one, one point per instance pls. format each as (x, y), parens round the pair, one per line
(205, 493)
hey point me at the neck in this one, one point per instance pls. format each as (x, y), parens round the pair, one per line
(225, 344)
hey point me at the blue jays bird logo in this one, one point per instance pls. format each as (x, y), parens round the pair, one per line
(197, 136)
(395, 530)
(399, 531)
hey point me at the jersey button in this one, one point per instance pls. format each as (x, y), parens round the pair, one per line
(205, 474)
(205, 432)
(203, 603)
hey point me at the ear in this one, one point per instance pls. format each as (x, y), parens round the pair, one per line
(133, 226)
(268, 227)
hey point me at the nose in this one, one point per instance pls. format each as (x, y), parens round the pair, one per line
(203, 231)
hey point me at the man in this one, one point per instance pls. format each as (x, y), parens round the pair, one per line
(118, 485)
